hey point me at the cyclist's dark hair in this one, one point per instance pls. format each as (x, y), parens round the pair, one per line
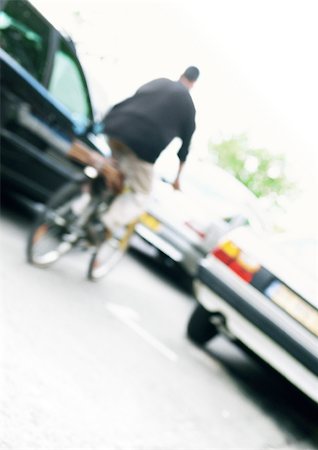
(191, 73)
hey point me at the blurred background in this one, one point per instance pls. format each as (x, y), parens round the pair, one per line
(258, 76)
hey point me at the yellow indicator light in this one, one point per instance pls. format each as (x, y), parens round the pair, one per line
(230, 249)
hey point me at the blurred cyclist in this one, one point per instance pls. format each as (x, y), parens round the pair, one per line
(138, 130)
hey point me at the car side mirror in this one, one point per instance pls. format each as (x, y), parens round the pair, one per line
(97, 128)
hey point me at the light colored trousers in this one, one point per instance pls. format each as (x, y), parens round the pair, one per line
(138, 174)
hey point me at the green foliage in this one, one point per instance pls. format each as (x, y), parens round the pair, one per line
(259, 170)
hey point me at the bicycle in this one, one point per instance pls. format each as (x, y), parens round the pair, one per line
(66, 221)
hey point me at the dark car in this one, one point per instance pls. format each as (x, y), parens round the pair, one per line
(45, 100)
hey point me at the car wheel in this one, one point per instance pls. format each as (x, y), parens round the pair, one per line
(200, 330)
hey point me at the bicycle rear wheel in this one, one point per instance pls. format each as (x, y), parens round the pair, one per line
(50, 237)
(109, 253)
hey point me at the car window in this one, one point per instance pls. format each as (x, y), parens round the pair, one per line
(67, 84)
(25, 37)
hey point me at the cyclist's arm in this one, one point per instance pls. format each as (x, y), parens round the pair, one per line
(188, 130)
(75, 150)
(176, 183)
(81, 152)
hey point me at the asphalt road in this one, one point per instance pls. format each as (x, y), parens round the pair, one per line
(107, 365)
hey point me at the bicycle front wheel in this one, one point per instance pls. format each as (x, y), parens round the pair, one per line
(50, 237)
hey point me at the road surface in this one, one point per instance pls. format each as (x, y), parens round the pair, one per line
(107, 365)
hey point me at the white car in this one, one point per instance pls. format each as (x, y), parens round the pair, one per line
(181, 227)
(263, 293)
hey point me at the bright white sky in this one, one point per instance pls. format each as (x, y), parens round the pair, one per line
(258, 62)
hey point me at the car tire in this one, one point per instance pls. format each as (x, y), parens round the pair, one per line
(200, 330)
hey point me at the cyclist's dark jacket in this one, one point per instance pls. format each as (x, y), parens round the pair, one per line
(148, 121)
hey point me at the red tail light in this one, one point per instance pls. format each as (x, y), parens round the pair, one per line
(247, 276)
(238, 261)
(222, 256)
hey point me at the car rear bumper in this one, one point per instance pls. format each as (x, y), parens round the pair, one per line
(261, 326)
(156, 241)
(172, 245)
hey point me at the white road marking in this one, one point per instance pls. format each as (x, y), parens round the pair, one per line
(128, 316)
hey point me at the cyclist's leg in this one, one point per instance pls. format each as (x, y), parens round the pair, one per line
(128, 205)
(126, 208)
